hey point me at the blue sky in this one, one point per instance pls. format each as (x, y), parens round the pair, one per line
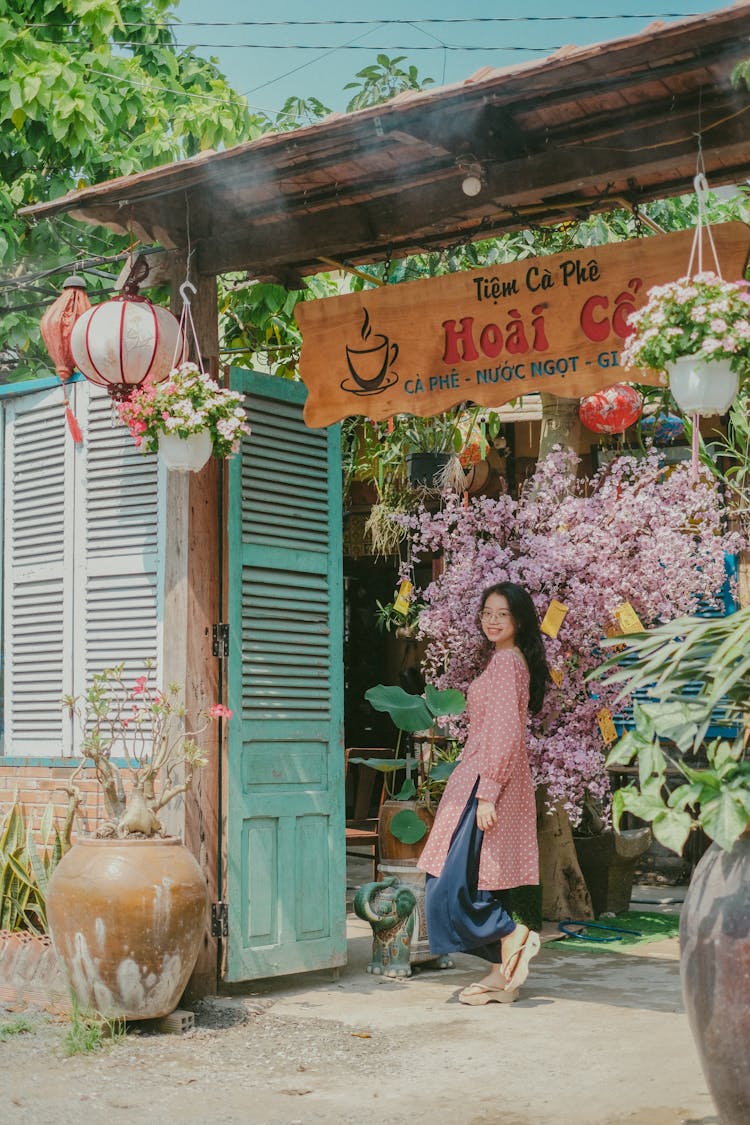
(268, 75)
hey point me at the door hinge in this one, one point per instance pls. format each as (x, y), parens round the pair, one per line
(220, 640)
(219, 919)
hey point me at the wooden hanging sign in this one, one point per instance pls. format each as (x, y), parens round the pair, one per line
(488, 336)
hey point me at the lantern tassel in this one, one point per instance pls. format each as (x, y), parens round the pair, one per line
(75, 429)
(696, 444)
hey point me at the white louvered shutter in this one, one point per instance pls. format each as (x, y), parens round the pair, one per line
(83, 562)
(38, 563)
(119, 546)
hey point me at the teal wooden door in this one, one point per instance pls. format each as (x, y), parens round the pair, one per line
(286, 876)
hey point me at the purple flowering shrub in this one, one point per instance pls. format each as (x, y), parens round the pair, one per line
(634, 533)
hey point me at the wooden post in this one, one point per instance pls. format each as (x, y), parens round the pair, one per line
(191, 609)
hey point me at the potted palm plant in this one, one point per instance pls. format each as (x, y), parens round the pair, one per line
(127, 909)
(711, 658)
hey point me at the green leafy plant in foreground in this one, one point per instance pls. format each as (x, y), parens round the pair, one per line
(715, 794)
(434, 765)
(25, 869)
(18, 1026)
(88, 1033)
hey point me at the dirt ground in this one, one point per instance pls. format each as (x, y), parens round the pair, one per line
(596, 1039)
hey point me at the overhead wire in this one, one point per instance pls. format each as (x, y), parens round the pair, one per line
(386, 22)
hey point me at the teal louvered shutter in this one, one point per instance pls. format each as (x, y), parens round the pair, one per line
(285, 832)
(38, 562)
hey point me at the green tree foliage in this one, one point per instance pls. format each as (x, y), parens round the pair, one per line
(90, 90)
(383, 80)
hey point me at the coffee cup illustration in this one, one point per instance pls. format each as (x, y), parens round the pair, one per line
(369, 365)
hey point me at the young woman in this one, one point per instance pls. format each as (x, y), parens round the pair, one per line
(483, 841)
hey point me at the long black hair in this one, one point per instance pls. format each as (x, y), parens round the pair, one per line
(528, 637)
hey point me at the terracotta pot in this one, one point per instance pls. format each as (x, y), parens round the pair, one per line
(392, 850)
(127, 918)
(715, 971)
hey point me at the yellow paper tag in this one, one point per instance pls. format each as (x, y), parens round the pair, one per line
(557, 675)
(401, 604)
(554, 618)
(606, 725)
(628, 619)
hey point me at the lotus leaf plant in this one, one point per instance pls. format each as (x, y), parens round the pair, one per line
(434, 765)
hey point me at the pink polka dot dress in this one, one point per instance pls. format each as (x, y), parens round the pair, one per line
(494, 760)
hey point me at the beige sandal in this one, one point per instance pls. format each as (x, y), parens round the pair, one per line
(483, 994)
(522, 957)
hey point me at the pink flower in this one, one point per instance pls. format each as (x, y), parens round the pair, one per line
(219, 711)
(139, 686)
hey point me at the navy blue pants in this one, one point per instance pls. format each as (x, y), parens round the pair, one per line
(460, 917)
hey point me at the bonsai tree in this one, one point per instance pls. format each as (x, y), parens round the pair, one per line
(415, 714)
(712, 655)
(144, 726)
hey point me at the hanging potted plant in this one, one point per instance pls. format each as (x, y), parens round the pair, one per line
(185, 419)
(671, 730)
(127, 908)
(697, 329)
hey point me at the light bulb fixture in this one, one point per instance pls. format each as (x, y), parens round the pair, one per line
(472, 182)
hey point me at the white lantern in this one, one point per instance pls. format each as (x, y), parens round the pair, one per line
(126, 342)
(701, 386)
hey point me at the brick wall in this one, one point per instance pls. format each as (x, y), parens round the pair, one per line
(37, 783)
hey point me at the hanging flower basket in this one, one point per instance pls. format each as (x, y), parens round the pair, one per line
(189, 405)
(688, 326)
(702, 320)
(186, 455)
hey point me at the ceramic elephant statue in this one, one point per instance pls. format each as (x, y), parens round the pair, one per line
(390, 908)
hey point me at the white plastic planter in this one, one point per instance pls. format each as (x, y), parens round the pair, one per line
(185, 455)
(702, 386)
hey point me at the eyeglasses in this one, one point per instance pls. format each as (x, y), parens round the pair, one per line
(498, 618)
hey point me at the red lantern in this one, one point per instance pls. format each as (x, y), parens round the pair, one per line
(612, 410)
(56, 327)
(126, 342)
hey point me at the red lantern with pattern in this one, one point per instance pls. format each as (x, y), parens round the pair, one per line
(611, 410)
(127, 342)
(56, 327)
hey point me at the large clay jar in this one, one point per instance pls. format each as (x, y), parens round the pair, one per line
(715, 970)
(127, 918)
(391, 849)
